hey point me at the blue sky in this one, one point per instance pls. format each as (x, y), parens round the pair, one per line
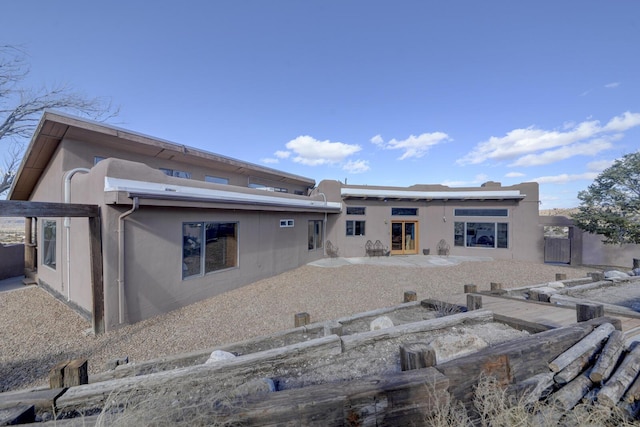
(373, 92)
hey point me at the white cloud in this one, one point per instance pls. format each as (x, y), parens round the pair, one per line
(612, 85)
(357, 166)
(533, 146)
(413, 146)
(514, 175)
(590, 148)
(564, 178)
(269, 160)
(599, 165)
(282, 154)
(312, 152)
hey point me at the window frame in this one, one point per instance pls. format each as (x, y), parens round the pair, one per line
(352, 226)
(500, 234)
(216, 179)
(49, 245)
(404, 211)
(176, 173)
(203, 262)
(357, 210)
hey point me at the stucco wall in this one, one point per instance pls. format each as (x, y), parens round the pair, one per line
(11, 260)
(594, 252)
(436, 219)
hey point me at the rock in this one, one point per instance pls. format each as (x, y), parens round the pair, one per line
(259, 386)
(615, 274)
(635, 272)
(555, 285)
(451, 346)
(381, 322)
(218, 355)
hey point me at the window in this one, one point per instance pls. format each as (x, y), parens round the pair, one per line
(355, 228)
(97, 159)
(266, 188)
(286, 223)
(49, 243)
(176, 173)
(315, 235)
(481, 212)
(298, 192)
(355, 210)
(216, 179)
(208, 247)
(481, 234)
(404, 211)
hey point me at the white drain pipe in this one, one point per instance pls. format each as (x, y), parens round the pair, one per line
(67, 223)
(121, 258)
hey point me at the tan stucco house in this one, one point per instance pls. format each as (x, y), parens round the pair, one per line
(181, 224)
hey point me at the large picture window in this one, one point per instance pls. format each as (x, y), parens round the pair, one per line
(481, 234)
(49, 243)
(315, 235)
(208, 247)
(355, 228)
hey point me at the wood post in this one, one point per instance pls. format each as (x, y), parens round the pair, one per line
(535, 295)
(69, 373)
(561, 276)
(76, 373)
(469, 289)
(302, 319)
(474, 302)
(56, 375)
(410, 296)
(636, 263)
(588, 311)
(416, 356)
(496, 286)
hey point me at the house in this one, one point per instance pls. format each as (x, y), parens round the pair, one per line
(491, 220)
(178, 224)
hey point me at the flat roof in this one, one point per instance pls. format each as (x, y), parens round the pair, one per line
(408, 195)
(249, 197)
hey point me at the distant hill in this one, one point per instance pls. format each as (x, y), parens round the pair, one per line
(568, 212)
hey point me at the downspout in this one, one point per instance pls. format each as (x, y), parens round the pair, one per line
(324, 225)
(67, 222)
(121, 259)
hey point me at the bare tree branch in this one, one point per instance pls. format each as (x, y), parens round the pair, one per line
(20, 108)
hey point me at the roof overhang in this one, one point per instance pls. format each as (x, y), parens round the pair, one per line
(175, 195)
(427, 196)
(54, 127)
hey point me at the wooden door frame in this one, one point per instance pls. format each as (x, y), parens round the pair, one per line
(404, 251)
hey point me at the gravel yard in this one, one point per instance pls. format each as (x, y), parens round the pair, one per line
(38, 331)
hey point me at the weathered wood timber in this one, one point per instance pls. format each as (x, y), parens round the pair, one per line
(76, 373)
(608, 359)
(301, 319)
(56, 375)
(521, 325)
(573, 369)
(532, 389)
(39, 209)
(21, 414)
(410, 296)
(403, 398)
(511, 362)
(633, 392)
(588, 311)
(256, 365)
(416, 355)
(42, 399)
(612, 391)
(474, 302)
(598, 336)
(350, 342)
(569, 395)
(470, 288)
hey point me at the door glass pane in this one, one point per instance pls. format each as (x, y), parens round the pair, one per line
(396, 236)
(409, 236)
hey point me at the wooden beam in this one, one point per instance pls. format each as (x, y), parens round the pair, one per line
(39, 209)
(97, 285)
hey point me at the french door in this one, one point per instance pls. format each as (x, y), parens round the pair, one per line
(404, 237)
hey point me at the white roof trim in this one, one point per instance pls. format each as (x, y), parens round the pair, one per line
(160, 190)
(367, 192)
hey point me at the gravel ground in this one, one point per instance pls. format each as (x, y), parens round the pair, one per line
(38, 331)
